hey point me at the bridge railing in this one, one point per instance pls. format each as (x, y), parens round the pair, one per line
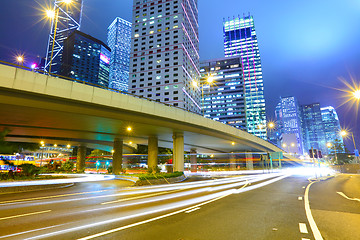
(90, 84)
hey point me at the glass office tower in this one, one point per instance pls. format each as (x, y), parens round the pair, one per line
(223, 99)
(288, 118)
(331, 125)
(68, 20)
(86, 58)
(240, 39)
(119, 40)
(313, 128)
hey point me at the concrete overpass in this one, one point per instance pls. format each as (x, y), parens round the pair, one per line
(39, 107)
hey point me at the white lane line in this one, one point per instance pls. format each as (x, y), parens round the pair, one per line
(50, 197)
(303, 228)
(140, 197)
(348, 198)
(305, 239)
(313, 226)
(30, 231)
(300, 198)
(23, 215)
(192, 210)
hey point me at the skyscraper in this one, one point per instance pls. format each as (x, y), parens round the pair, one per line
(224, 100)
(240, 39)
(67, 19)
(288, 115)
(164, 58)
(313, 128)
(331, 123)
(119, 40)
(86, 58)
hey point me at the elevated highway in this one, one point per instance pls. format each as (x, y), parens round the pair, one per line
(39, 107)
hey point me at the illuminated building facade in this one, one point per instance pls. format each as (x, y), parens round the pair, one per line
(313, 128)
(288, 118)
(164, 59)
(69, 20)
(240, 39)
(86, 58)
(331, 123)
(119, 40)
(224, 100)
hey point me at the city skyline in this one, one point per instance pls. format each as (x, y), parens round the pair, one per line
(324, 60)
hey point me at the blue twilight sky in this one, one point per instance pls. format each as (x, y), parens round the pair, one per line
(305, 45)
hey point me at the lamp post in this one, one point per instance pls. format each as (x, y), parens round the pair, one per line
(344, 133)
(209, 81)
(329, 145)
(42, 143)
(20, 60)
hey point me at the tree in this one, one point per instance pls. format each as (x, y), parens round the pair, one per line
(11, 147)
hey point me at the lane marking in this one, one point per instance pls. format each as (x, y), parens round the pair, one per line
(305, 239)
(313, 226)
(139, 197)
(300, 198)
(30, 231)
(303, 187)
(303, 228)
(23, 215)
(192, 210)
(348, 198)
(49, 197)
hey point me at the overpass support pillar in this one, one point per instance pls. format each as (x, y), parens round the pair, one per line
(153, 153)
(178, 152)
(249, 161)
(117, 155)
(80, 161)
(232, 162)
(193, 160)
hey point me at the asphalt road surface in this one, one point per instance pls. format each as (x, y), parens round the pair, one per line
(265, 206)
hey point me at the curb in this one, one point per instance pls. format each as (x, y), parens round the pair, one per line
(19, 189)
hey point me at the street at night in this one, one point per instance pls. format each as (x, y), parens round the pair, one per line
(269, 206)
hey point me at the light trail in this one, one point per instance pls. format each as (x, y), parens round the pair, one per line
(198, 201)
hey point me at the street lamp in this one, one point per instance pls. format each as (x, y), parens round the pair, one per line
(209, 81)
(20, 60)
(329, 145)
(42, 143)
(344, 133)
(356, 94)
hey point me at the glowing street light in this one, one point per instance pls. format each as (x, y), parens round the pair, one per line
(20, 59)
(356, 94)
(271, 125)
(233, 143)
(68, 146)
(129, 129)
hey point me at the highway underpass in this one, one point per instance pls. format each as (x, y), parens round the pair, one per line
(39, 107)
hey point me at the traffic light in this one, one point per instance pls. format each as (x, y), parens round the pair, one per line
(311, 153)
(316, 153)
(320, 154)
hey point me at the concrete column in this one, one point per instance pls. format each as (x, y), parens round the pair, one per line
(249, 161)
(153, 153)
(178, 152)
(80, 161)
(193, 160)
(117, 156)
(232, 162)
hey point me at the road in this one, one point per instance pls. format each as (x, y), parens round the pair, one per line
(269, 206)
